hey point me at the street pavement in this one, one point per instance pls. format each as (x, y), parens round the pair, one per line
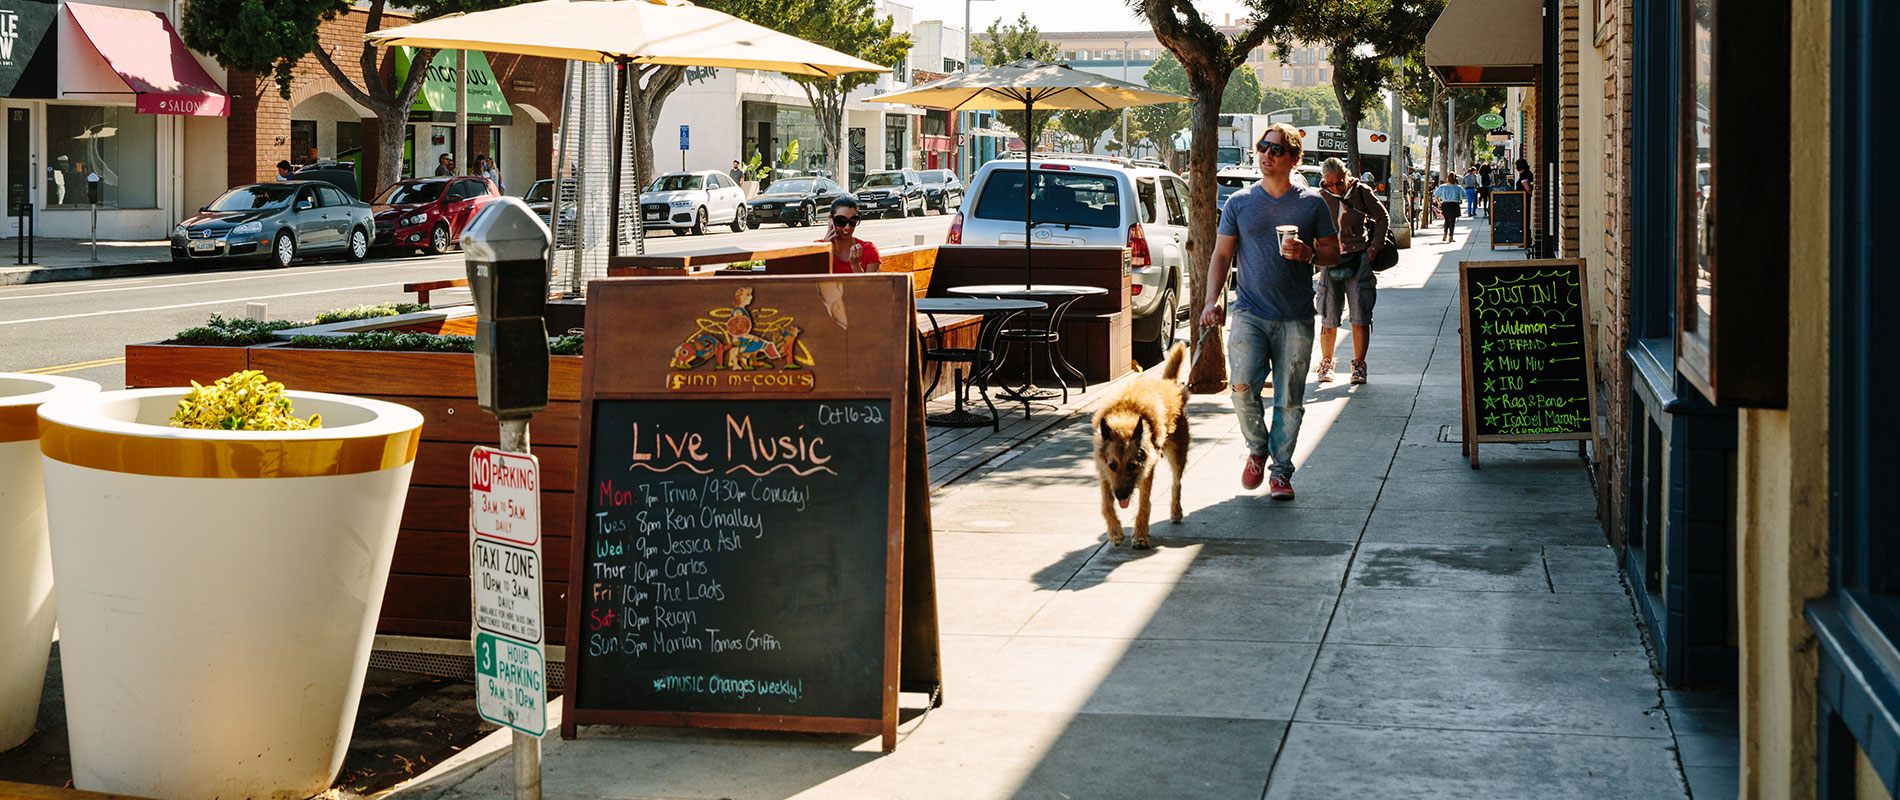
(80, 327)
(1408, 627)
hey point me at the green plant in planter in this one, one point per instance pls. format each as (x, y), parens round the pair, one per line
(241, 401)
(233, 332)
(369, 312)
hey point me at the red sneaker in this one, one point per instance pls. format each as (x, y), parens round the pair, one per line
(1279, 488)
(1250, 473)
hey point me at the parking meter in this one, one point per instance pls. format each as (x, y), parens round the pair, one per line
(506, 257)
(92, 188)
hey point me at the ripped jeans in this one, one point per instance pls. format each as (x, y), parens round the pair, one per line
(1258, 347)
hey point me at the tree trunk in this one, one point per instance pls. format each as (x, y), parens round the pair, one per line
(656, 84)
(389, 132)
(1211, 368)
(1349, 111)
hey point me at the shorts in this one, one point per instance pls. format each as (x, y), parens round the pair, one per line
(1331, 297)
(1449, 209)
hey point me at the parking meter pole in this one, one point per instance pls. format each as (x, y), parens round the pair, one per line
(1397, 168)
(506, 246)
(95, 232)
(92, 198)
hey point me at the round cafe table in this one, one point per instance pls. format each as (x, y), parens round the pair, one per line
(996, 314)
(1059, 297)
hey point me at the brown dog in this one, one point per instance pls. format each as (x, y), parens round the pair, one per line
(1145, 420)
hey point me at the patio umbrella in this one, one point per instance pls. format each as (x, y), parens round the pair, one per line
(631, 32)
(1028, 84)
(674, 32)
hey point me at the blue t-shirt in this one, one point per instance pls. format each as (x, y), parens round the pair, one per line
(1270, 286)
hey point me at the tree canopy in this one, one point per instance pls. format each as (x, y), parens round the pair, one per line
(1361, 37)
(852, 27)
(1242, 95)
(1002, 44)
(1089, 125)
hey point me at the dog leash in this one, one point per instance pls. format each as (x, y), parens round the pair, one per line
(1199, 348)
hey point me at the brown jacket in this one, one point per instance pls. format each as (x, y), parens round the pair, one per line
(1360, 216)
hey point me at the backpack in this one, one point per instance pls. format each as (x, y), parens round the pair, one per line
(1389, 251)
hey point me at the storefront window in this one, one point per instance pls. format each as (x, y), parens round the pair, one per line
(936, 123)
(1701, 185)
(896, 137)
(303, 141)
(114, 143)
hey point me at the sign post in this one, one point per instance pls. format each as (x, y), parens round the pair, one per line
(506, 247)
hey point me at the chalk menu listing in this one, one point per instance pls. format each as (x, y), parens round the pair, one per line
(735, 557)
(1527, 355)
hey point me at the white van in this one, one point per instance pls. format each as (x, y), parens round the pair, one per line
(1083, 201)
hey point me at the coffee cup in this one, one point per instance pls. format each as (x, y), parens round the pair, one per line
(1287, 233)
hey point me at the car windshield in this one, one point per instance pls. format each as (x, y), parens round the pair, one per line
(1231, 155)
(884, 179)
(540, 192)
(1057, 197)
(1234, 181)
(793, 187)
(404, 193)
(937, 176)
(248, 198)
(680, 183)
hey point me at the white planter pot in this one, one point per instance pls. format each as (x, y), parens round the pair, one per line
(218, 590)
(26, 570)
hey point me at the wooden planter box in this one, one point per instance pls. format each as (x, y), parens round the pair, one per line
(428, 591)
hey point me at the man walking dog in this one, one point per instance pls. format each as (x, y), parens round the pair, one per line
(1282, 233)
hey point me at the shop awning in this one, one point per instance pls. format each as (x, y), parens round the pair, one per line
(146, 53)
(1487, 43)
(436, 103)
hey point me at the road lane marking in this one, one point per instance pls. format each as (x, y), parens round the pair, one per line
(144, 286)
(74, 367)
(331, 290)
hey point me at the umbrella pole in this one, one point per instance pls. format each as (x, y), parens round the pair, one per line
(1029, 150)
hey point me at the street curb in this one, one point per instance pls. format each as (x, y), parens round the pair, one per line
(23, 276)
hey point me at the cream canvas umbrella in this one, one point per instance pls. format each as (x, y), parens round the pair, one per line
(673, 32)
(1028, 84)
(668, 32)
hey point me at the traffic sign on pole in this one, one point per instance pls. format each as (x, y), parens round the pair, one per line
(504, 493)
(686, 138)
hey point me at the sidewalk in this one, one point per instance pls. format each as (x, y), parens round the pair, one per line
(1408, 627)
(71, 260)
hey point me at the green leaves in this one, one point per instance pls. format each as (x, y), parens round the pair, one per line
(1088, 125)
(266, 37)
(1002, 44)
(241, 401)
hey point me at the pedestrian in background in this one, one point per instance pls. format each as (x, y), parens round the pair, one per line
(1471, 191)
(737, 173)
(1289, 231)
(485, 167)
(444, 165)
(1525, 181)
(283, 170)
(1448, 196)
(1362, 222)
(1484, 187)
(849, 253)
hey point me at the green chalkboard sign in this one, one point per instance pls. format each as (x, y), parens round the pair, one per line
(1529, 374)
(1509, 218)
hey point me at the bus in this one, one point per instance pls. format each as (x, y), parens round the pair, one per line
(1325, 141)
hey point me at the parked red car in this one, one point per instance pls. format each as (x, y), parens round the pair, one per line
(429, 213)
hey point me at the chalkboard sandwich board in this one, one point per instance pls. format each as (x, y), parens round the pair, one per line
(1528, 369)
(1509, 218)
(746, 452)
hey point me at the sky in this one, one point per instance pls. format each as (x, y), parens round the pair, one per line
(1054, 15)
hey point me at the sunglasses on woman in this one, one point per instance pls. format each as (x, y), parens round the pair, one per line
(842, 220)
(1274, 149)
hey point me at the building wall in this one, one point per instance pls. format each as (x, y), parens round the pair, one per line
(1604, 78)
(1573, 40)
(1101, 52)
(1783, 468)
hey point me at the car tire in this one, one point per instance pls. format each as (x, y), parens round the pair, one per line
(1149, 354)
(438, 239)
(738, 219)
(283, 250)
(359, 245)
(699, 222)
(811, 214)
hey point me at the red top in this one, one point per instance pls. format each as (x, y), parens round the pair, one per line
(867, 254)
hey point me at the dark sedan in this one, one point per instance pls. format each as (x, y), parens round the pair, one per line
(794, 201)
(277, 222)
(942, 190)
(897, 192)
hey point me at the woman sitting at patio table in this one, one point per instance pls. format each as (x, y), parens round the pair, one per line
(848, 252)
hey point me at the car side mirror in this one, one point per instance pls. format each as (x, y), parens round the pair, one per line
(305, 205)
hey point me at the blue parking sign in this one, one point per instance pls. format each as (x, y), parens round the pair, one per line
(686, 138)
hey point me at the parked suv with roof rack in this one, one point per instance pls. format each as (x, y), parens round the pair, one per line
(1094, 201)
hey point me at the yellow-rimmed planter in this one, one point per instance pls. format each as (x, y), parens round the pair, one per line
(26, 570)
(218, 590)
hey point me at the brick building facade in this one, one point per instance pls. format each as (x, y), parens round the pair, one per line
(260, 123)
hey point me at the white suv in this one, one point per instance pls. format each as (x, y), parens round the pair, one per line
(690, 201)
(1094, 201)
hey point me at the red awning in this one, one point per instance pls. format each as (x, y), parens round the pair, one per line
(142, 47)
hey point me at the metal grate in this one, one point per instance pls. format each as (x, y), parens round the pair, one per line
(452, 665)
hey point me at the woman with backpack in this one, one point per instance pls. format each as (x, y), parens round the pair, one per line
(1363, 223)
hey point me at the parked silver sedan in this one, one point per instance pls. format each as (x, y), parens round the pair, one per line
(277, 223)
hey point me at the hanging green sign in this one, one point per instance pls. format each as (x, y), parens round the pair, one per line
(436, 102)
(1490, 121)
